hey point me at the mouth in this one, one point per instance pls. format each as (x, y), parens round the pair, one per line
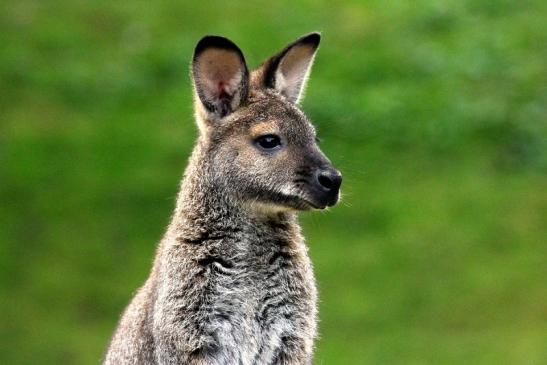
(312, 197)
(303, 203)
(311, 205)
(317, 202)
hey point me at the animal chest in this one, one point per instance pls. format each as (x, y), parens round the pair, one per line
(261, 306)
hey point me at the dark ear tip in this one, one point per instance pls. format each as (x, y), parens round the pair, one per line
(215, 41)
(312, 38)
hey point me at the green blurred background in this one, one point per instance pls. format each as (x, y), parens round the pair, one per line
(435, 111)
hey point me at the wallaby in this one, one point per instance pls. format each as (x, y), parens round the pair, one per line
(232, 282)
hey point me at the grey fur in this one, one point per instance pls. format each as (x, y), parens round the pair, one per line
(232, 282)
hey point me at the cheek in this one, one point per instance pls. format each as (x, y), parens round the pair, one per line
(269, 164)
(263, 168)
(244, 164)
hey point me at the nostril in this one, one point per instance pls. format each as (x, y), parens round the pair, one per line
(325, 181)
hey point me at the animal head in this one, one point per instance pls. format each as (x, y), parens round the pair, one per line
(260, 147)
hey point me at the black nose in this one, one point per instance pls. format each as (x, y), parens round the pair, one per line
(330, 180)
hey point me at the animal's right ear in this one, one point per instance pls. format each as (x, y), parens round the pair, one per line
(220, 75)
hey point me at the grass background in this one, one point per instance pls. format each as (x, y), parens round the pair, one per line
(435, 111)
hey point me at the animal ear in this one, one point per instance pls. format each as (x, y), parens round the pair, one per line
(288, 71)
(220, 75)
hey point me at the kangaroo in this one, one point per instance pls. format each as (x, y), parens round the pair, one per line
(232, 282)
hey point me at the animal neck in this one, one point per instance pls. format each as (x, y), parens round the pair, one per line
(205, 209)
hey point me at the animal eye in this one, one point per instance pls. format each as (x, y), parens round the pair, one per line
(268, 142)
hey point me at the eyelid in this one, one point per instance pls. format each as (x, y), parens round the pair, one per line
(257, 136)
(262, 135)
(263, 128)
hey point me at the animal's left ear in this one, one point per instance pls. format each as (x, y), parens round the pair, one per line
(288, 71)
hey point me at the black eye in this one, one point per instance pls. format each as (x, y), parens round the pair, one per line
(268, 142)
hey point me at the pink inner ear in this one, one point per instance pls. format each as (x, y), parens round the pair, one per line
(223, 90)
(219, 74)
